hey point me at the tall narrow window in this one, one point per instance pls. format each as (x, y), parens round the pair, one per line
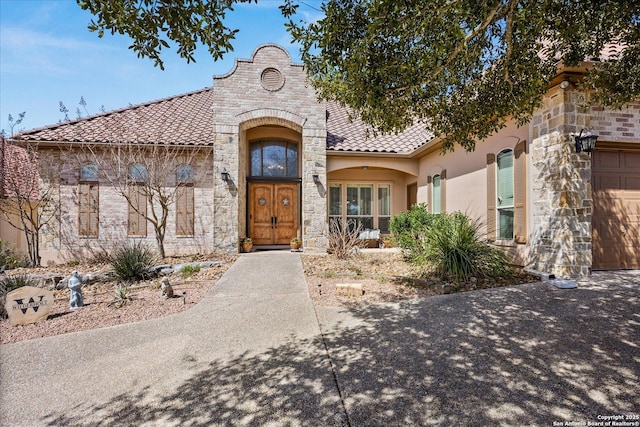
(504, 190)
(88, 201)
(335, 201)
(184, 201)
(436, 197)
(384, 207)
(137, 224)
(360, 204)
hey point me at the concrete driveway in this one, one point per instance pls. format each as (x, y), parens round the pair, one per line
(255, 352)
(526, 355)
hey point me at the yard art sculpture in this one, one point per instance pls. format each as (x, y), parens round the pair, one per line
(75, 286)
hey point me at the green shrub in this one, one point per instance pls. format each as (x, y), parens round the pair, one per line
(454, 249)
(409, 229)
(10, 258)
(10, 283)
(132, 262)
(189, 270)
(121, 296)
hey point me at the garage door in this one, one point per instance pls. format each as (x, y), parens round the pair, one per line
(616, 209)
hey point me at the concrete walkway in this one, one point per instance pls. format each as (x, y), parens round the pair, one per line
(249, 354)
(252, 353)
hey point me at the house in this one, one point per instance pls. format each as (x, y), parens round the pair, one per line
(275, 163)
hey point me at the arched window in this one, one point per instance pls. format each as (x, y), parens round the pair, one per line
(185, 211)
(89, 172)
(138, 172)
(504, 190)
(184, 174)
(270, 158)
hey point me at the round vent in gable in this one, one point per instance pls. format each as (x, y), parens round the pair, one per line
(271, 79)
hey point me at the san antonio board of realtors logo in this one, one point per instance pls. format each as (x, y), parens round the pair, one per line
(28, 305)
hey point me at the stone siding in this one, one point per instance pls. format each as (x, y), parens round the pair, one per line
(61, 241)
(561, 192)
(243, 102)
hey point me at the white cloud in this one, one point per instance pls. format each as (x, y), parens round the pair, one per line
(26, 50)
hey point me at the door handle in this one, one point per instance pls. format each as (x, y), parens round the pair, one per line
(275, 221)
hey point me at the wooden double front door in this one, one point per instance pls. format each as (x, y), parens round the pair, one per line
(273, 212)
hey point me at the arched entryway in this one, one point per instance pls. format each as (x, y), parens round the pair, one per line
(273, 200)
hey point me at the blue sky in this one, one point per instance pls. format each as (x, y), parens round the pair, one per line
(48, 55)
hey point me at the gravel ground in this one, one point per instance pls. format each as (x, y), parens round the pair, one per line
(383, 276)
(100, 309)
(380, 274)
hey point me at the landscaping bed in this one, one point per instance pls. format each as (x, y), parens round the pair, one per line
(385, 277)
(101, 309)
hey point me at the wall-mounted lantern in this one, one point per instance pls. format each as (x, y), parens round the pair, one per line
(316, 179)
(225, 175)
(586, 142)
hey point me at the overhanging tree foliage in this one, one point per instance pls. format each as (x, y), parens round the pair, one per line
(463, 67)
(150, 23)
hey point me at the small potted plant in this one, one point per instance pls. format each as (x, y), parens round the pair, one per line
(247, 244)
(295, 243)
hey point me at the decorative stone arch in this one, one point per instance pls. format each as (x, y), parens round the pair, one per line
(271, 117)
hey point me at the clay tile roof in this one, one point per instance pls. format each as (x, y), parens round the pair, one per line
(610, 51)
(346, 135)
(182, 120)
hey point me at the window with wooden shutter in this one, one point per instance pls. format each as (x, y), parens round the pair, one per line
(430, 193)
(504, 190)
(443, 191)
(185, 211)
(88, 209)
(137, 222)
(491, 197)
(88, 201)
(520, 192)
(137, 211)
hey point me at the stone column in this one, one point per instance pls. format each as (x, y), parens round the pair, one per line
(314, 196)
(561, 188)
(225, 195)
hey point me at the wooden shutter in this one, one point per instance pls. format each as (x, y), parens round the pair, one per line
(184, 210)
(520, 192)
(429, 194)
(88, 213)
(491, 197)
(443, 190)
(137, 215)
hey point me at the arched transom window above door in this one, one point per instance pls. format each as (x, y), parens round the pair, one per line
(273, 158)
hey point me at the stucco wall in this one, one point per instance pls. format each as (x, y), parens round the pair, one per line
(12, 237)
(466, 178)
